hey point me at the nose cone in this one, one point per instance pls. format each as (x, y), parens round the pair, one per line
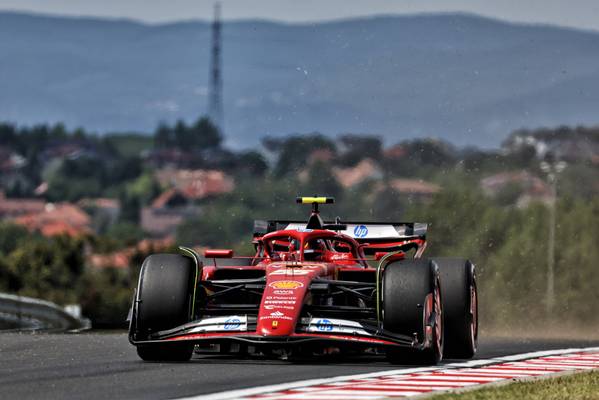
(282, 301)
(281, 306)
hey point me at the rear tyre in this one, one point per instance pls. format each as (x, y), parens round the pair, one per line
(164, 301)
(460, 304)
(412, 306)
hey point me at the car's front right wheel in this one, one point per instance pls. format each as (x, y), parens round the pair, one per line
(165, 352)
(412, 306)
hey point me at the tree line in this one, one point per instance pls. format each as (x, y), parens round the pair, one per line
(508, 244)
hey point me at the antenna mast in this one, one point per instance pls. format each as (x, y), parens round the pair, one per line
(215, 105)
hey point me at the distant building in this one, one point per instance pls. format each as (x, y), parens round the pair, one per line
(12, 165)
(395, 152)
(57, 219)
(320, 156)
(178, 203)
(171, 158)
(104, 211)
(529, 188)
(12, 208)
(365, 169)
(167, 212)
(122, 259)
(415, 190)
(195, 184)
(569, 144)
(117, 259)
(71, 149)
(48, 218)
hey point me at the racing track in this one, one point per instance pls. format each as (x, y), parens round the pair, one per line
(105, 365)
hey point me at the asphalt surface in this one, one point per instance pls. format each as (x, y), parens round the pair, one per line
(104, 365)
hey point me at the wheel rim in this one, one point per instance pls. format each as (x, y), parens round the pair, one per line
(473, 315)
(438, 319)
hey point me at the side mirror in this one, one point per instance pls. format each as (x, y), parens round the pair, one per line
(214, 253)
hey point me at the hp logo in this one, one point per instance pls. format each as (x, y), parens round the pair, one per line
(232, 323)
(324, 325)
(360, 231)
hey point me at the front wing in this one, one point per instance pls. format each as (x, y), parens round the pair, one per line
(242, 328)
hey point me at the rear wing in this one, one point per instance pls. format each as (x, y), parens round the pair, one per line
(363, 232)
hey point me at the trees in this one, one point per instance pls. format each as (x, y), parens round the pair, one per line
(105, 296)
(293, 151)
(204, 134)
(47, 268)
(322, 181)
(421, 156)
(509, 248)
(163, 136)
(201, 135)
(251, 163)
(358, 147)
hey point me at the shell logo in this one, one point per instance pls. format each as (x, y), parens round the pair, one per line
(286, 285)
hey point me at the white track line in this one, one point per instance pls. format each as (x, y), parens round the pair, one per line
(520, 369)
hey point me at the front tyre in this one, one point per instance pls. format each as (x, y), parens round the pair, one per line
(412, 306)
(164, 301)
(177, 352)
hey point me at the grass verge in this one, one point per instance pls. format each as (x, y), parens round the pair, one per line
(578, 386)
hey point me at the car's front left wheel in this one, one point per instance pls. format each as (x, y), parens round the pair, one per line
(163, 301)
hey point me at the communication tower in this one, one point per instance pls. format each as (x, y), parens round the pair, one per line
(215, 93)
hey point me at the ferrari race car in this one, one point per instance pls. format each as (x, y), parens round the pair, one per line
(311, 288)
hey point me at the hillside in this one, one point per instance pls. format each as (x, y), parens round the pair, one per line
(468, 79)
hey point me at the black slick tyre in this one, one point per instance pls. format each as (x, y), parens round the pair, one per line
(460, 305)
(165, 352)
(411, 305)
(164, 301)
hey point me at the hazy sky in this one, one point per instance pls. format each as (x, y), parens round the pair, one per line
(574, 13)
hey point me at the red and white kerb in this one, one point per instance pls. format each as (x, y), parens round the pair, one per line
(405, 385)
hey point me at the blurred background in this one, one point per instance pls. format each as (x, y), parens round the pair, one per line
(129, 127)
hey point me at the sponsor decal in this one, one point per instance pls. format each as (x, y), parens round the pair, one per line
(292, 271)
(341, 256)
(278, 306)
(295, 265)
(232, 323)
(282, 292)
(333, 326)
(360, 231)
(286, 285)
(279, 298)
(312, 266)
(277, 315)
(216, 324)
(324, 325)
(279, 302)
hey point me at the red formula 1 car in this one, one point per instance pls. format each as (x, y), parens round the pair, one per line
(310, 288)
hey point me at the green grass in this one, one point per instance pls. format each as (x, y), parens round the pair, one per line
(580, 386)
